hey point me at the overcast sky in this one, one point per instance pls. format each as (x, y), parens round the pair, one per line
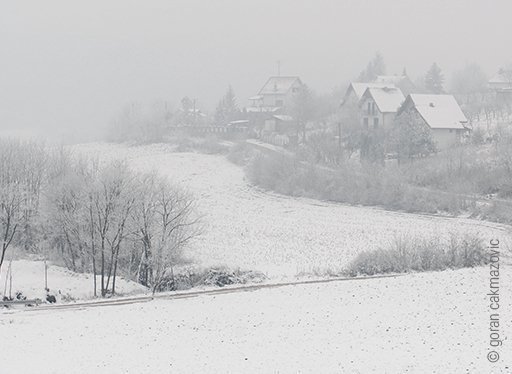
(73, 64)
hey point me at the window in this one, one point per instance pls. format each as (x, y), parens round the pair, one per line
(375, 123)
(279, 102)
(365, 122)
(369, 108)
(373, 108)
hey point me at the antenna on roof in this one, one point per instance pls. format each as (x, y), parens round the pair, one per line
(278, 68)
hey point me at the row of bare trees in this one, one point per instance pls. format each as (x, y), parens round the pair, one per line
(21, 181)
(99, 218)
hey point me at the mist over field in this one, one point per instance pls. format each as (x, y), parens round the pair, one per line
(66, 68)
(271, 186)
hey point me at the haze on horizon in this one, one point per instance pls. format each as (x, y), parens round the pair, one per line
(69, 67)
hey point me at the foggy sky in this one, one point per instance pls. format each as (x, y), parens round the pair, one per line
(67, 66)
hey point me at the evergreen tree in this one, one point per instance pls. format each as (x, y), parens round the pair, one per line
(410, 137)
(303, 108)
(434, 79)
(227, 109)
(374, 68)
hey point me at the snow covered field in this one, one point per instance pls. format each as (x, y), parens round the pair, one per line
(420, 323)
(279, 235)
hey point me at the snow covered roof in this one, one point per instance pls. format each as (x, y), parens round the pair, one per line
(284, 117)
(279, 85)
(439, 111)
(388, 99)
(262, 109)
(501, 77)
(359, 88)
(393, 79)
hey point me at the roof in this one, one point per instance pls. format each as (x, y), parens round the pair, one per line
(278, 85)
(439, 111)
(501, 78)
(262, 109)
(359, 88)
(388, 99)
(283, 117)
(393, 79)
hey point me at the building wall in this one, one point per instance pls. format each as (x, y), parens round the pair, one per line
(368, 111)
(445, 138)
(500, 85)
(388, 120)
(272, 100)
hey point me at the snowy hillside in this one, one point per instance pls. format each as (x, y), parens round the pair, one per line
(28, 277)
(282, 236)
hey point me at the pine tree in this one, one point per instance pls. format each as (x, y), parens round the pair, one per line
(434, 79)
(410, 137)
(374, 68)
(303, 108)
(227, 109)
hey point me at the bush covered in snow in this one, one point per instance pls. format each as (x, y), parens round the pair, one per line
(444, 183)
(415, 254)
(219, 277)
(240, 154)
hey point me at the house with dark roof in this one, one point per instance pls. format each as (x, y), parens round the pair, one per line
(276, 95)
(378, 106)
(441, 113)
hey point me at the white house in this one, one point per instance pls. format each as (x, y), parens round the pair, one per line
(441, 113)
(276, 95)
(356, 90)
(378, 106)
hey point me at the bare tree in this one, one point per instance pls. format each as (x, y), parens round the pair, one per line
(21, 176)
(178, 224)
(164, 222)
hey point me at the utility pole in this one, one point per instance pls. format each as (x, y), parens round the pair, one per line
(339, 134)
(194, 117)
(46, 275)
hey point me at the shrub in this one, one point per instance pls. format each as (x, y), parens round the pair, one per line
(406, 255)
(219, 277)
(211, 146)
(240, 154)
